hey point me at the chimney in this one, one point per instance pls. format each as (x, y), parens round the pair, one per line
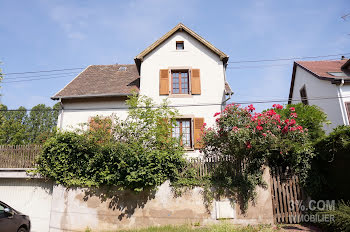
(343, 58)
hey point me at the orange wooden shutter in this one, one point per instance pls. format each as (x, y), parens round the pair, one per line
(195, 81)
(197, 132)
(164, 82)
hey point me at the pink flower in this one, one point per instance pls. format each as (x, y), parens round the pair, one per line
(294, 115)
(264, 134)
(277, 106)
(251, 108)
(271, 112)
(248, 145)
(234, 128)
(259, 128)
(216, 114)
(292, 122)
(292, 109)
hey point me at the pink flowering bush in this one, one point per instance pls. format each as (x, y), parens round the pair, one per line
(253, 140)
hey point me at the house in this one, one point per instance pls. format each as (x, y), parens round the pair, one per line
(325, 84)
(181, 66)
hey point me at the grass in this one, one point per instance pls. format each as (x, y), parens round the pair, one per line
(222, 227)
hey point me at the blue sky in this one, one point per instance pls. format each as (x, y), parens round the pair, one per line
(46, 35)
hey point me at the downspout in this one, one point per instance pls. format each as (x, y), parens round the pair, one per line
(230, 94)
(341, 102)
(61, 116)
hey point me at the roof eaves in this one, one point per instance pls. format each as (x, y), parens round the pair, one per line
(91, 96)
(54, 97)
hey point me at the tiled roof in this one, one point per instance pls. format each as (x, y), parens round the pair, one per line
(102, 80)
(322, 68)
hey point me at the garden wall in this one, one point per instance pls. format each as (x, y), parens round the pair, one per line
(109, 209)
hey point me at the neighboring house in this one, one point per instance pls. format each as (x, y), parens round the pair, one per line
(180, 66)
(325, 84)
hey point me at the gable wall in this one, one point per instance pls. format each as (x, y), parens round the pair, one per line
(196, 56)
(317, 88)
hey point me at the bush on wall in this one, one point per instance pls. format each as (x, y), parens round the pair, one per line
(137, 153)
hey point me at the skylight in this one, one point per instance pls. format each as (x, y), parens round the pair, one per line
(122, 68)
(338, 74)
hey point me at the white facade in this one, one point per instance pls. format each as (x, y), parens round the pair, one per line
(195, 55)
(76, 114)
(329, 97)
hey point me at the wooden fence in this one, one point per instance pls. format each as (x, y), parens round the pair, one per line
(287, 196)
(19, 156)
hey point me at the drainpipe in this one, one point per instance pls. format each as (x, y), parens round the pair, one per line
(342, 105)
(230, 94)
(61, 116)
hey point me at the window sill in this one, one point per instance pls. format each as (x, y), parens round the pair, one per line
(180, 95)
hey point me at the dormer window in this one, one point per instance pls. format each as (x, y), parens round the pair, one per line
(180, 45)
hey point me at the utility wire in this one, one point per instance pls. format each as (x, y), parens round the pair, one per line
(44, 75)
(291, 58)
(41, 71)
(35, 79)
(188, 105)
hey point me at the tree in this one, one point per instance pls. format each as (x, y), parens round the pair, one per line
(19, 127)
(13, 129)
(41, 122)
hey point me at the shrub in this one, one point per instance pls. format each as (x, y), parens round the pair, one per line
(328, 167)
(251, 141)
(137, 153)
(341, 217)
(308, 116)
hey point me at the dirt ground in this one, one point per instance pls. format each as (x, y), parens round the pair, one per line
(300, 228)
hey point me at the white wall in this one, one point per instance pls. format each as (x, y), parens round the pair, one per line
(317, 88)
(77, 113)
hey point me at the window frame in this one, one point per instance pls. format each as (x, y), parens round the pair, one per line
(180, 81)
(347, 107)
(304, 99)
(178, 43)
(190, 120)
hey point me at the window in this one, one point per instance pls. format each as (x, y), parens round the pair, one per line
(347, 106)
(180, 82)
(183, 129)
(180, 45)
(303, 96)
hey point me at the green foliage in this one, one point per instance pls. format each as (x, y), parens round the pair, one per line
(19, 127)
(328, 167)
(341, 216)
(309, 116)
(137, 153)
(13, 128)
